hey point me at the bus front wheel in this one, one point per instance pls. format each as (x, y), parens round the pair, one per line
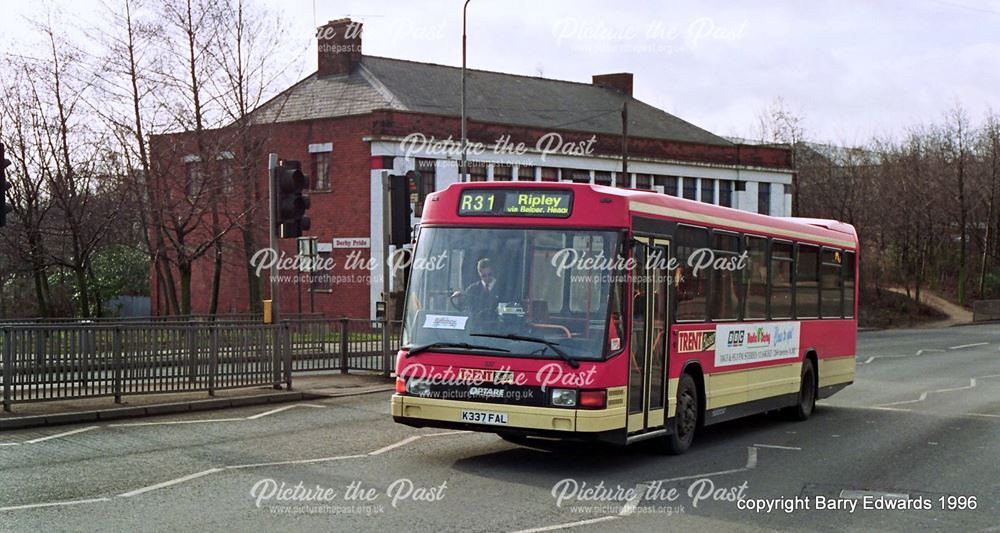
(686, 417)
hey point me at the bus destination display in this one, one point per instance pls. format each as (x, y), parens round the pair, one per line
(515, 203)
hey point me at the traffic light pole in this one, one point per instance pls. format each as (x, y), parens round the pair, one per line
(389, 311)
(272, 164)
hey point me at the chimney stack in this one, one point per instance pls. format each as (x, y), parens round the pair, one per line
(621, 82)
(339, 47)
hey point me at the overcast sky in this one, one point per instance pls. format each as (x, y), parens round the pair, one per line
(851, 68)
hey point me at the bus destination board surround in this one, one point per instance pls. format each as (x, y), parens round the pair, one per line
(516, 203)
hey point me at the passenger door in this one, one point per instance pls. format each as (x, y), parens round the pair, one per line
(648, 339)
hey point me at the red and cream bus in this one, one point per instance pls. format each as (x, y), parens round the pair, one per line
(578, 311)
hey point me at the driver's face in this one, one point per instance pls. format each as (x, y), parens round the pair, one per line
(486, 274)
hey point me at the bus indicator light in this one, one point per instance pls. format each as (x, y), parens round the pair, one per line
(593, 399)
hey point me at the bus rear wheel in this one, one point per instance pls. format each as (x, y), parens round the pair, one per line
(807, 393)
(686, 417)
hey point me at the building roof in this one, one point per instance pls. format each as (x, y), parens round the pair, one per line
(385, 83)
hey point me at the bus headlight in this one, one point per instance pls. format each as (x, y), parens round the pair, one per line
(418, 387)
(563, 397)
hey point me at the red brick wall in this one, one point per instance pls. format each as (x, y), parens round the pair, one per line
(342, 212)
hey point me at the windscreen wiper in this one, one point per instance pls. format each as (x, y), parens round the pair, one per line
(515, 337)
(464, 345)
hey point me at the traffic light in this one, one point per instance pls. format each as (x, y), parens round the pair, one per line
(293, 199)
(399, 208)
(4, 208)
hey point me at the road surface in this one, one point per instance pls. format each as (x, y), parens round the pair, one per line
(921, 423)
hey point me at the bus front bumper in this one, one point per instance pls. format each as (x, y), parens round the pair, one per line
(606, 425)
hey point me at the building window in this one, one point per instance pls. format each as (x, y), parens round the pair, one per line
(726, 193)
(550, 174)
(642, 181)
(503, 172)
(667, 183)
(321, 171)
(476, 170)
(764, 198)
(424, 185)
(194, 178)
(623, 181)
(525, 173)
(690, 188)
(602, 178)
(576, 175)
(741, 186)
(708, 191)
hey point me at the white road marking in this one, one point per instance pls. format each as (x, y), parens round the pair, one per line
(968, 345)
(751, 464)
(569, 524)
(983, 414)
(172, 482)
(862, 494)
(285, 408)
(633, 502)
(403, 442)
(52, 504)
(175, 422)
(921, 352)
(776, 447)
(10, 443)
(50, 437)
(299, 461)
(445, 433)
(885, 409)
(923, 395)
(870, 359)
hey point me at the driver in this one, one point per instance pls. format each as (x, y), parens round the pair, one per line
(482, 297)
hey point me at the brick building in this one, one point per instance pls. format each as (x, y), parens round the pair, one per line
(358, 114)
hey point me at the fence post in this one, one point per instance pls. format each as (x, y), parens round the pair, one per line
(343, 345)
(8, 368)
(386, 328)
(287, 359)
(117, 361)
(213, 358)
(88, 342)
(192, 340)
(276, 356)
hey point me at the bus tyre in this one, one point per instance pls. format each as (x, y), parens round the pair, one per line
(686, 417)
(807, 393)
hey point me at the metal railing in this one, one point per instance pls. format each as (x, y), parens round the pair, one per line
(50, 362)
(172, 319)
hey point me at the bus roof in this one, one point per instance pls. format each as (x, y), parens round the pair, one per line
(602, 206)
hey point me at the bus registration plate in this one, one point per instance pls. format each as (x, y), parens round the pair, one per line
(485, 417)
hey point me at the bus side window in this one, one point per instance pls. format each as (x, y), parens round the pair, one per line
(755, 275)
(691, 292)
(782, 265)
(849, 284)
(807, 282)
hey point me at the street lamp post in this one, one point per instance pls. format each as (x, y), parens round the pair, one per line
(465, 10)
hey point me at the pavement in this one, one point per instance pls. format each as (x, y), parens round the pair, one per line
(920, 427)
(956, 314)
(304, 387)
